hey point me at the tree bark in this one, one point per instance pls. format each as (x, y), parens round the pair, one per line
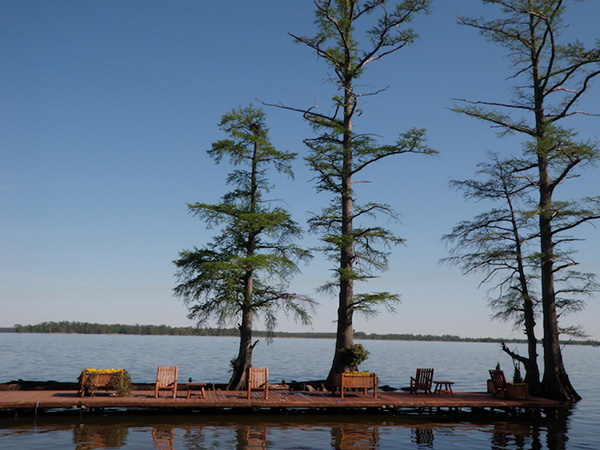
(345, 328)
(244, 359)
(555, 383)
(532, 371)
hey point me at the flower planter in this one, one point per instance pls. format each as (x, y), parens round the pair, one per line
(91, 380)
(517, 391)
(362, 381)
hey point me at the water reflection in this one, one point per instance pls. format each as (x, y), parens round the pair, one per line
(90, 437)
(252, 437)
(533, 434)
(163, 437)
(262, 431)
(423, 437)
(355, 437)
(558, 438)
(515, 436)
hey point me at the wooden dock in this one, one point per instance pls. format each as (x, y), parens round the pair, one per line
(37, 401)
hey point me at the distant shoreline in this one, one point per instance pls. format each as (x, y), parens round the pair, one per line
(164, 330)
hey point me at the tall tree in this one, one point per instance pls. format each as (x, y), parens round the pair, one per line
(555, 75)
(245, 270)
(338, 154)
(498, 243)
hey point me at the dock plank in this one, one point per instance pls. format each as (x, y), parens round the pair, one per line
(10, 400)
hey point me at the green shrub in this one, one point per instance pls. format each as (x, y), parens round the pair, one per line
(354, 355)
(121, 382)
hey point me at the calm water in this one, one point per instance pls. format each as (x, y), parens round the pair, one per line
(62, 357)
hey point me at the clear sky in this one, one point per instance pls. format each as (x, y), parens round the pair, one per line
(107, 109)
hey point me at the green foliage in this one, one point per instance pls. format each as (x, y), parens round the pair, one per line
(90, 385)
(517, 377)
(121, 382)
(248, 265)
(351, 233)
(551, 76)
(99, 328)
(562, 73)
(336, 24)
(353, 355)
(499, 242)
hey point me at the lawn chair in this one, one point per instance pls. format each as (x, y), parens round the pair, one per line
(258, 379)
(166, 379)
(421, 381)
(499, 381)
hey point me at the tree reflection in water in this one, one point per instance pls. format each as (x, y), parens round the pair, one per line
(528, 435)
(515, 436)
(557, 438)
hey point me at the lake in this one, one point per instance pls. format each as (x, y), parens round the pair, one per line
(62, 357)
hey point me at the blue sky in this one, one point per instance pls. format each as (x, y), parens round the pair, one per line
(107, 110)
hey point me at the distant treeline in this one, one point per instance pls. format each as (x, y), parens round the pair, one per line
(101, 328)
(164, 330)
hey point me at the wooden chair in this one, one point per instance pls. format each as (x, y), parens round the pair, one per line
(499, 381)
(166, 379)
(421, 381)
(258, 379)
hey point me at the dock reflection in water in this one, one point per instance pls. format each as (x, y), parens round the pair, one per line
(269, 431)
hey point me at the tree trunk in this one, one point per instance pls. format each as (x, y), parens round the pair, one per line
(244, 358)
(532, 370)
(556, 383)
(344, 338)
(345, 329)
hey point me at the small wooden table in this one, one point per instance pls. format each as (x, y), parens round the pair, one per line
(193, 389)
(443, 387)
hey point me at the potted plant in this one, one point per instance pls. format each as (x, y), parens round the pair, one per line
(91, 380)
(121, 383)
(517, 389)
(353, 356)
